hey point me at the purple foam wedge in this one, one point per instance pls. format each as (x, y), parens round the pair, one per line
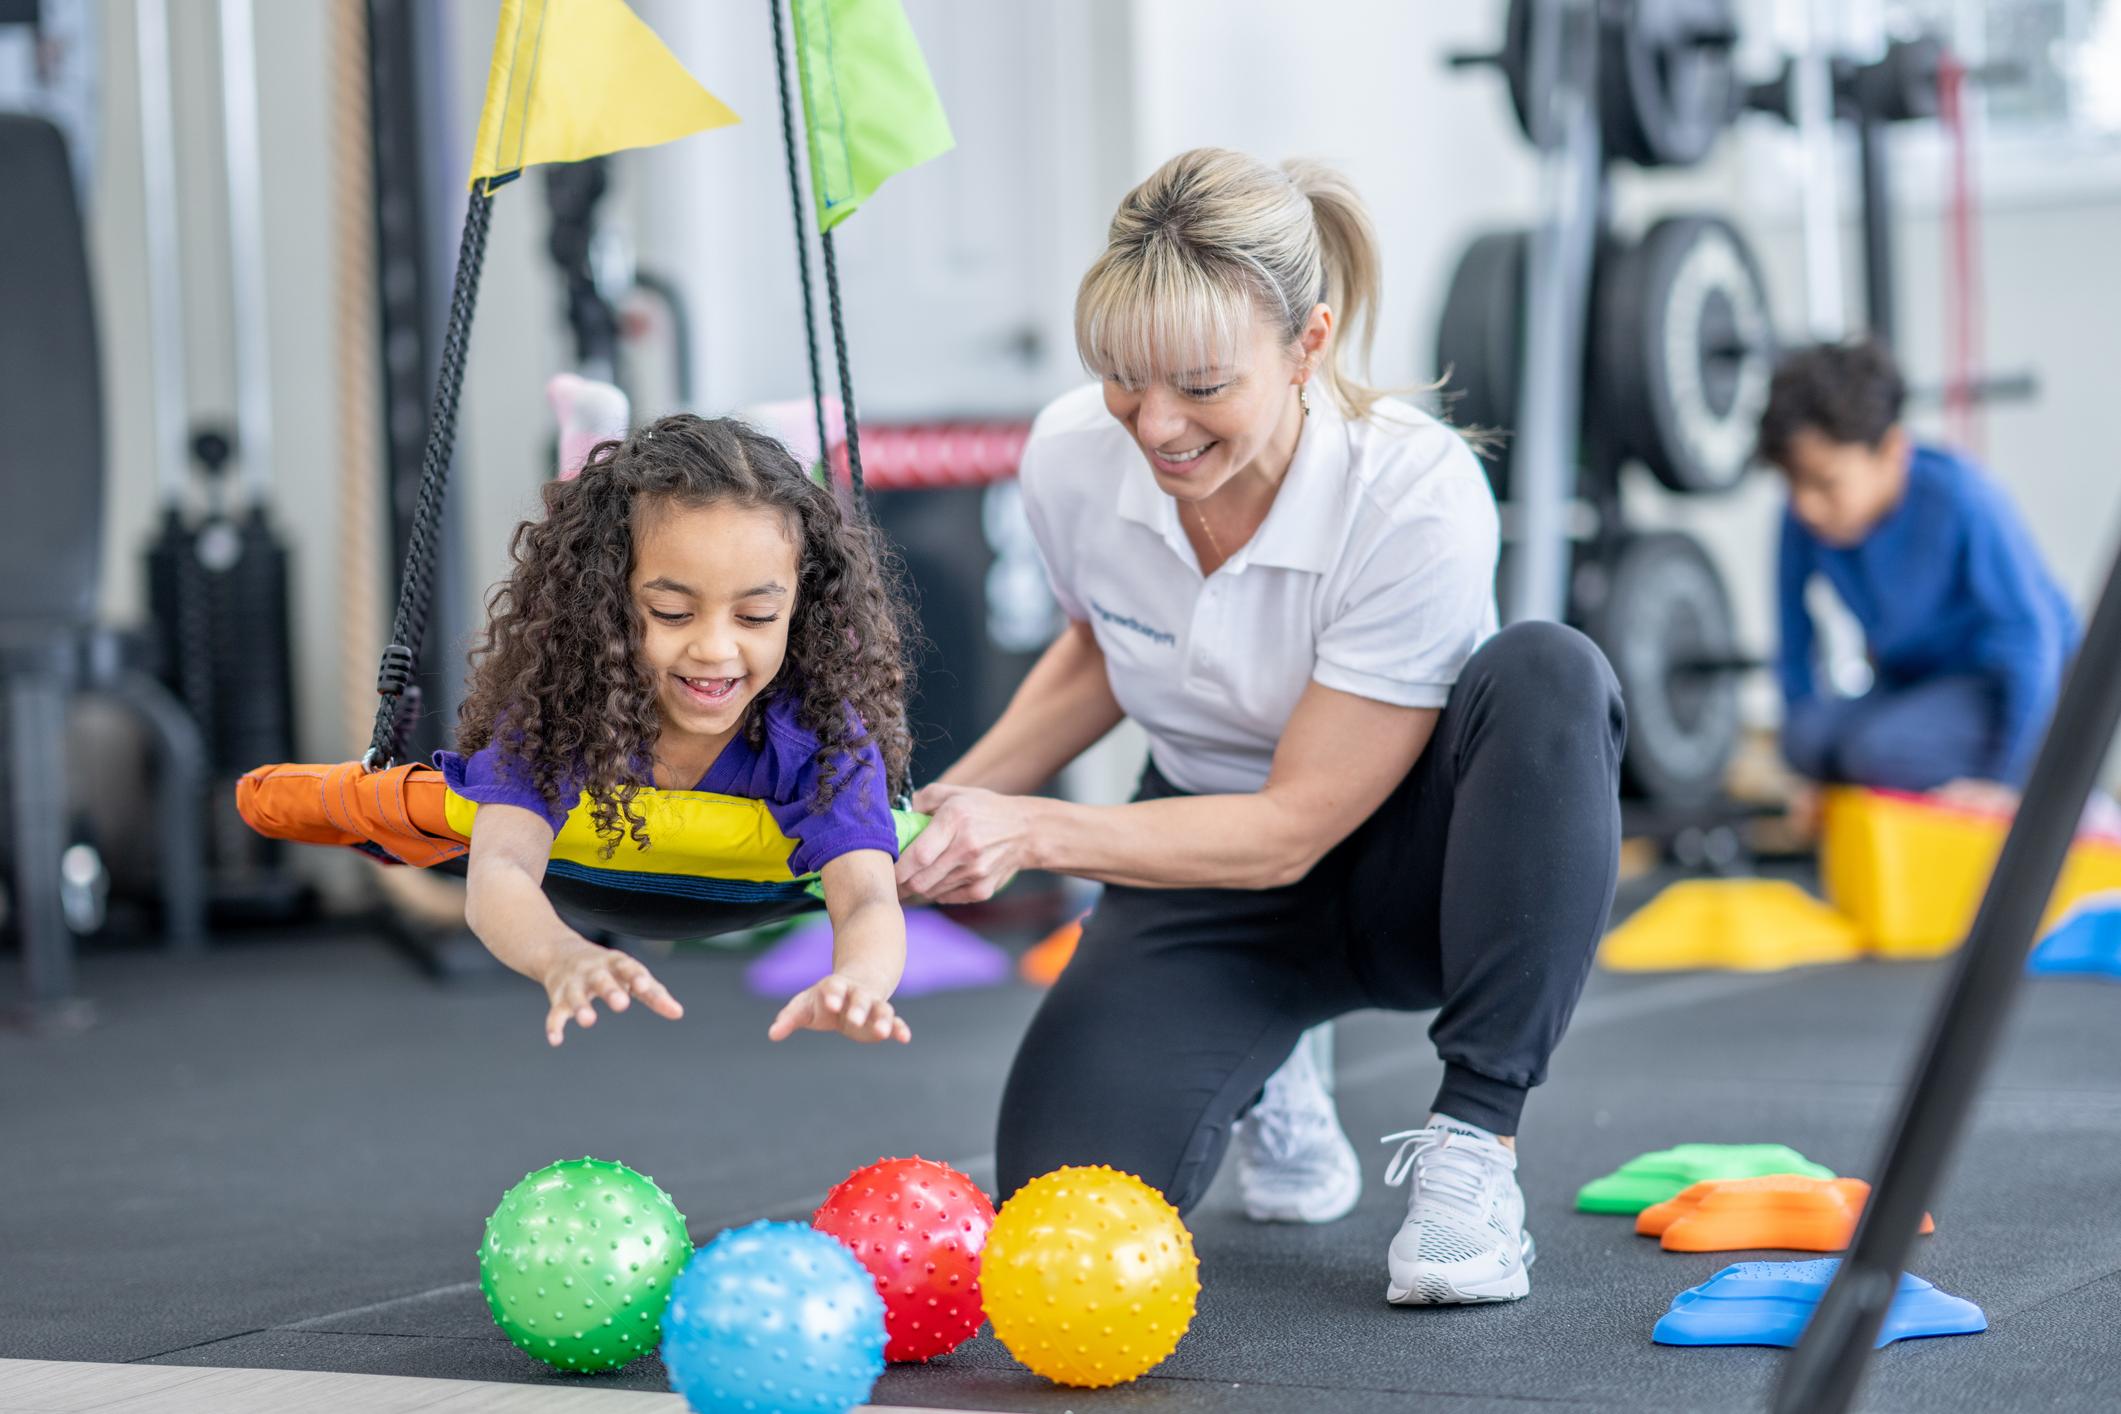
(941, 956)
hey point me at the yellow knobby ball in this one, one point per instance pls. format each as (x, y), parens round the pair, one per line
(1070, 1250)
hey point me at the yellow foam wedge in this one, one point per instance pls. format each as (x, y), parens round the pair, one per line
(1738, 925)
(1909, 872)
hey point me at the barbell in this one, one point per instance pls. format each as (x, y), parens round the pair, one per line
(1666, 84)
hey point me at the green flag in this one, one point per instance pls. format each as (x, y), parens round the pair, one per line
(867, 98)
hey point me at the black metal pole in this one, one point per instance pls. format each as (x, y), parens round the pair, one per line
(1871, 156)
(802, 236)
(1827, 1366)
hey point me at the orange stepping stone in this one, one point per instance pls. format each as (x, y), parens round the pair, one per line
(1043, 965)
(1782, 1210)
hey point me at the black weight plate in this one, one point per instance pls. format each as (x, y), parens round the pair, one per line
(1616, 388)
(1663, 607)
(1685, 349)
(1666, 85)
(1902, 86)
(1480, 341)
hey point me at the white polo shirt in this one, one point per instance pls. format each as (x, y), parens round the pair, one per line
(1374, 574)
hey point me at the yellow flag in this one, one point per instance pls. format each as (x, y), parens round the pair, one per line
(573, 79)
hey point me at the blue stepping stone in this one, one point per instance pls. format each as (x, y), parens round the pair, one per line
(1768, 1303)
(2087, 943)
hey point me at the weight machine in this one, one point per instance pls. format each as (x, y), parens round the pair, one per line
(1593, 352)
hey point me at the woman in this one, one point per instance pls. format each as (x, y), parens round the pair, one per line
(1359, 793)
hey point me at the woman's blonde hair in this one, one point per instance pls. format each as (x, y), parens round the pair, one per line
(1214, 236)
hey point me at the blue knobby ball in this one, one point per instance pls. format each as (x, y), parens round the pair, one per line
(774, 1318)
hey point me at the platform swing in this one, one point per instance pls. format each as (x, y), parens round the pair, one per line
(570, 80)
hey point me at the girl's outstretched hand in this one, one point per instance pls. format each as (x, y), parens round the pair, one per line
(589, 974)
(839, 1003)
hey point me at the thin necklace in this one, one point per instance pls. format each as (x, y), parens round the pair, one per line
(1303, 399)
(1209, 531)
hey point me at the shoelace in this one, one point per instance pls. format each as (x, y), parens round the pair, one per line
(1444, 1165)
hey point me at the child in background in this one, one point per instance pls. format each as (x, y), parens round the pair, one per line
(1966, 630)
(693, 612)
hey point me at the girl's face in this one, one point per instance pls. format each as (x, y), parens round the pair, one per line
(1201, 427)
(715, 586)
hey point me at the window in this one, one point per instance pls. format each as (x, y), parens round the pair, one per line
(2067, 53)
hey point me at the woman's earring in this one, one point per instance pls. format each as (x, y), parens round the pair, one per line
(1303, 396)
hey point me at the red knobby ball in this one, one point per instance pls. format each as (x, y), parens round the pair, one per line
(918, 1226)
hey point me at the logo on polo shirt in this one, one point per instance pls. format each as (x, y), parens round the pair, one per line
(1134, 625)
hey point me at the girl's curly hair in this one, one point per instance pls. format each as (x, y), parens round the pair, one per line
(559, 670)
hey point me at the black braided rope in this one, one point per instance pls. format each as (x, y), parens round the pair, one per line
(802, 232)
(839, 352)
(416, 587)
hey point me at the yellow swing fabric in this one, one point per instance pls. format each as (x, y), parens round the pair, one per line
(693, 833)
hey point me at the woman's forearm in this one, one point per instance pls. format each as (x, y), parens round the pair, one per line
(1201, 841)
(1063, 708)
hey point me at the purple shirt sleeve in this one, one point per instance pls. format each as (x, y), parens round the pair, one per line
(859, 816)
(490, 777)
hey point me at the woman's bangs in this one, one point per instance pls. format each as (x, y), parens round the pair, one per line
(1138, 329)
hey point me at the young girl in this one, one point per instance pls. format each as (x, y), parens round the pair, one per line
(692, 613)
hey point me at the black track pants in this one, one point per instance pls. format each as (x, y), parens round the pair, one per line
(1479, 889)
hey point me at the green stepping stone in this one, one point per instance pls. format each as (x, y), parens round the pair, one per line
(1664, 1173)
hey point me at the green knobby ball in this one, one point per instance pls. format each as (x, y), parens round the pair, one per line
(578, 1261)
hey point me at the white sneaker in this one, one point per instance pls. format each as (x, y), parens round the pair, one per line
(1464, 1238)
(1294, 1162)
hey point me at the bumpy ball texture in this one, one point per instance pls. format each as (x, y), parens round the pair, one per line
(918, 1226)
(774, 1318)
(578, 1261)
(1089, 1276)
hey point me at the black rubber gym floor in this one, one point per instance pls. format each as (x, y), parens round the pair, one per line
(281, 1156)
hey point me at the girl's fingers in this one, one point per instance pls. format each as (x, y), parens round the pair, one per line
(868, 1020)
(900, 1032)
(615, 996)
(836, 1005)
(655, 994)
(794, 1016)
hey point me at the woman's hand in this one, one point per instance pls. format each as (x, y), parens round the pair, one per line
(583, 976)
(975, 843)
(844, 1004)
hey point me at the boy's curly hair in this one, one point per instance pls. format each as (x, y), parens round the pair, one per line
(559, 668)
(1847, 392)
